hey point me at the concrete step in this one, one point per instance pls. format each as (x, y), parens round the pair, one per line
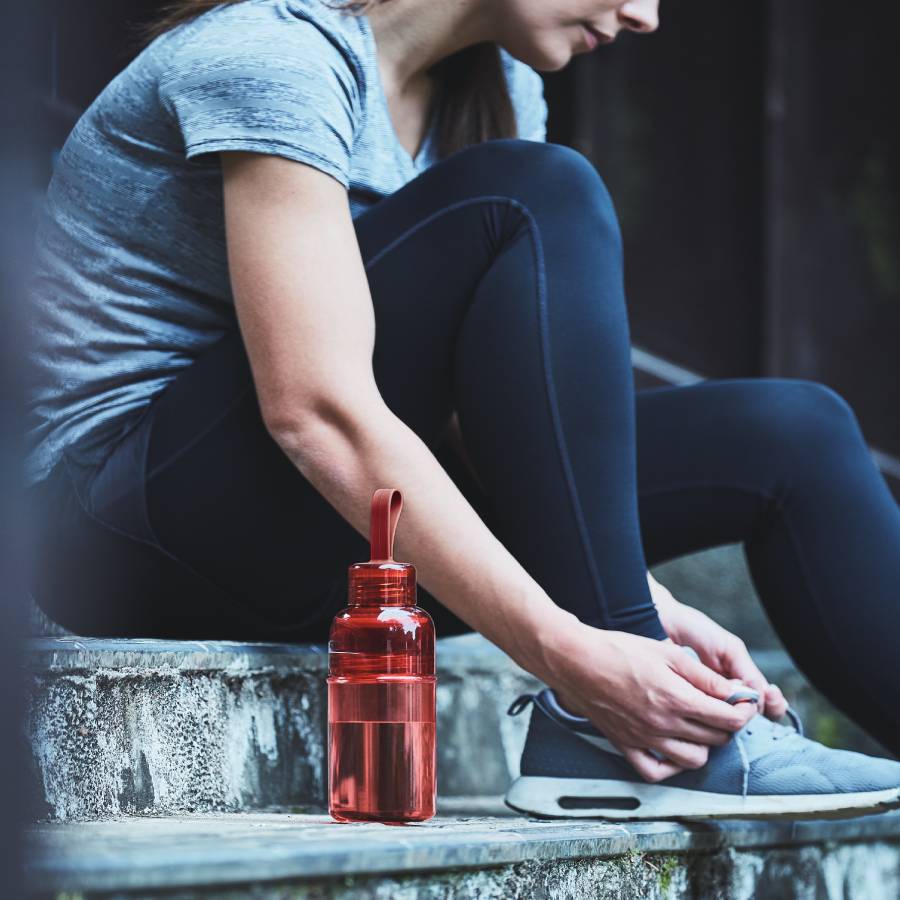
(147, 726)
(162, 728)
(304, 856)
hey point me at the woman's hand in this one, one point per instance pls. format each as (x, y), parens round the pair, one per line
(643, 694)
(718, 648)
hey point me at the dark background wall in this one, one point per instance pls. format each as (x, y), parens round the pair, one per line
(673, 123)
(753, 152)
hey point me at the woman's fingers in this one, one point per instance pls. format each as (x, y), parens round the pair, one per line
(648, 766)
(739, 664)
(776, 705)
(686, 754)
(709, 691)
(699, 733)
(700, 676)
(714, 713)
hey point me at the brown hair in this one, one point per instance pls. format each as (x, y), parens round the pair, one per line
(472, 101)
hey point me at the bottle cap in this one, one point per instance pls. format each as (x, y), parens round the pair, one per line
(382, 580)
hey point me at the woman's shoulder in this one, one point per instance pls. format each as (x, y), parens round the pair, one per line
(269, 30)
(279, 76)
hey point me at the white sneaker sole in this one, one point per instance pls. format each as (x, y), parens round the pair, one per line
(608, 799)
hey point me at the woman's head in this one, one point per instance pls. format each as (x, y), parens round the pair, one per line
(472, 100)
(546, 34)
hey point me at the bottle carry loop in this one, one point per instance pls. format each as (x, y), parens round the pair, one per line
(386, 506)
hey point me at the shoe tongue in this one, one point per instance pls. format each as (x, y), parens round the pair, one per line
(759, 735)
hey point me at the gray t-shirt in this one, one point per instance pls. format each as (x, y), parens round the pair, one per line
(131, 278)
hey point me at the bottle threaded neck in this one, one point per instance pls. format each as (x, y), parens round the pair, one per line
(381, 582)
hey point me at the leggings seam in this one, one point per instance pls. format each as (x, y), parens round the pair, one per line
(546, 363)
(247, 609)
(154, 545)
(151, 474)
(438, 213)
(550, 389)
(154, 541)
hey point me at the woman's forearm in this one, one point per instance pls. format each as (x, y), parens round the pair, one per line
(641, 692)
(457, 558)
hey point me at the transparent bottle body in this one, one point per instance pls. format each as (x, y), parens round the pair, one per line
(381, 714)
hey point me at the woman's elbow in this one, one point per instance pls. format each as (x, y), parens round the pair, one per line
(299, 427)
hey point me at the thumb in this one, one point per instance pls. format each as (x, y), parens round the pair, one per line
(702, 677)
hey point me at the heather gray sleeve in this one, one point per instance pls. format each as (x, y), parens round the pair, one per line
(286, 89)
(526, 90)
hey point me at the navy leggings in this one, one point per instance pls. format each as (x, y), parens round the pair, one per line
(496, 278)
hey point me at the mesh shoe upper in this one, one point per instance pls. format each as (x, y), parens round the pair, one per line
(783, 762)
(763, 758)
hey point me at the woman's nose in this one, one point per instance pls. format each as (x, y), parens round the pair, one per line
(639, 15)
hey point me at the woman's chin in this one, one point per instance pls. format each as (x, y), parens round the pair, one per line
(551, 62)
(543, 58)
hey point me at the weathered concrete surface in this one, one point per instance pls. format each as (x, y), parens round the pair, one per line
(157, 727)
(479, 745)
(141, 727)
(312, 857)
(154, 726)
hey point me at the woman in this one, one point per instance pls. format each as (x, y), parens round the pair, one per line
(295, 252)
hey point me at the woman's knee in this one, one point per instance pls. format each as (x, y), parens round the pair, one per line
(541, 176)
(806, 415)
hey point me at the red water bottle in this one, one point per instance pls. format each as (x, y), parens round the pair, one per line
(381, 688)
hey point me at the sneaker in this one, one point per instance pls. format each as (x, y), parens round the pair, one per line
(766, 770)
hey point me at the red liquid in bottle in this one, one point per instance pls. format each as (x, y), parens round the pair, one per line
(381, 689)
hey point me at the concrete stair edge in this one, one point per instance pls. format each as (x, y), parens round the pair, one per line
(242, 848)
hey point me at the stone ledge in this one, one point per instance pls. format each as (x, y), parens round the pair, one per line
(87, 654)
(177, 853)
(157, 727)
(74, 655)
(168, 727)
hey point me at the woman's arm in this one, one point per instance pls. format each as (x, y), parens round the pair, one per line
(307, 319)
